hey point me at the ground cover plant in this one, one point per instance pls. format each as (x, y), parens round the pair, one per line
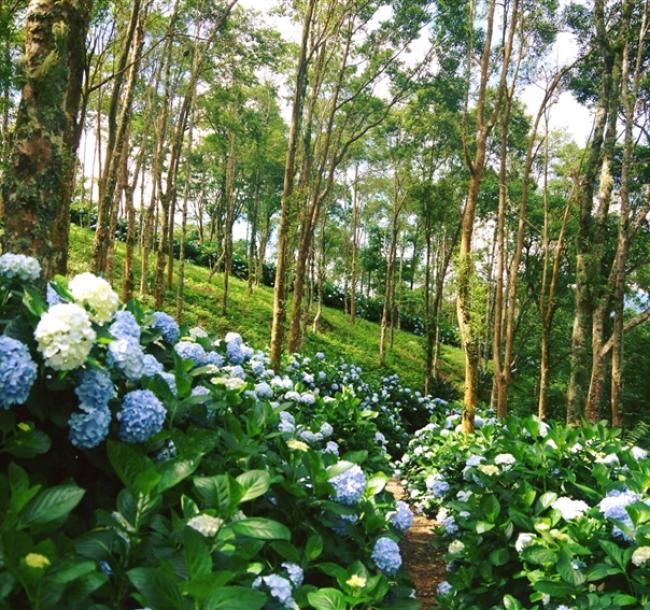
(147, 464)
(533, 515)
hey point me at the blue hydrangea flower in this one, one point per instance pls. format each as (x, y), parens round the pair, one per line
(310, 437)
(17, 372)
(237, 371)
(170, 378)
(52, 296)
(349, 486)
(151, 366)
(401, 517)
(436, 485)
(167, 326)
(127, 356)
(343, 523)
(287, 422)
(95, 390)
(142, 415)
(258, 368)
(307, 399)
(125, 326)
(613, 506)
(279, 588)
(320, 356)
(444, 588)
(188, 350)
(332, 447)
(295, 572)
(386, 555)
(214, 358)
(234, 352)
(89, 429)
(25, 268)
(263, 390)
(200, 390)
(326, 430)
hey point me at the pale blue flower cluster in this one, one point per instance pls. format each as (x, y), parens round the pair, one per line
(188, 350)
(331, 447)
(444, 588)
(447, 521)
(295, 573)
(170, 378)
(386, 555)
(141, 416)
(263, 390)
(52, 296)
(88, 429)
(214, 358)
(167, 326)
(200, 390)
(436, 485)
(614, 507)
(94, 390)
(402, 517)
(343, 523)
(19, 266)
(151, 366)
(17, 372)
(287, 422)
(310, 437)
(125, 326)
(127, 356)
(236, 351)
(279, 588)
(326, 430)
(349, 486)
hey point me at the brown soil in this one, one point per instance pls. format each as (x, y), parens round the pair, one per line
(424, 566)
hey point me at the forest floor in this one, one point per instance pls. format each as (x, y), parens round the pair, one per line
(423, 565)
(251, 315)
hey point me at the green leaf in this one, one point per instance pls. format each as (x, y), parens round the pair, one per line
(133, 467)
(197, 554)
(71, 571)
(490, 508)
(499, 557)
(255, 483)
(157, 588)
(174, 471)
(314, 547)
(557, 589)
(356, 457)
(50, 505)
(28, 443)
(483, 526)
(376, 484)
(261, 528)
(327, 599)
(510, 603)
(539, 555)
(221, 492)
(622, 599)
(547, 499)
(235, 598)
(567, 572)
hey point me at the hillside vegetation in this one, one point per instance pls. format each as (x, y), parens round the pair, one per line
(251, 317)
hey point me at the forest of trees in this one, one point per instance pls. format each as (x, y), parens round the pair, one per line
(383, 150)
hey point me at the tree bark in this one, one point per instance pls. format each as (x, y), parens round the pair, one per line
(34, 194)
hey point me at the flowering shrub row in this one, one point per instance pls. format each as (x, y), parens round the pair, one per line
(534, 516)
(146, 464)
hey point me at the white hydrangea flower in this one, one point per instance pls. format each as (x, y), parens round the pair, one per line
(65, 336)
(638, 453)
(456, 547)
(569, 508)
(96, 293)
(506, 460)
(196, 332)
(205, 524)
(488, 469)
(641, 556)
(523, 540)
(26, 268)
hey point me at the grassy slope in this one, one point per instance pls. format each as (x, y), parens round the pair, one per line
(251, 316)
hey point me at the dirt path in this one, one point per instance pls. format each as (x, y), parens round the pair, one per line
(425, 569)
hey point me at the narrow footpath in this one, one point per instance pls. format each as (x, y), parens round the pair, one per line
(424, 567)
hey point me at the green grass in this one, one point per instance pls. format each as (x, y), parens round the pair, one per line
(250, 315)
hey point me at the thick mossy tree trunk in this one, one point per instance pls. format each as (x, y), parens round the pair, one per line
(43, 145)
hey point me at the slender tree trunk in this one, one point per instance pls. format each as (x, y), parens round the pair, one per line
(279, 294)
(355, 246)
(230, 208)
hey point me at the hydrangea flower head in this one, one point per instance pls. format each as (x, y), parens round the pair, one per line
(263, 390)
(444, 589)
(94, 390)
(641, 556)
(206, 525)
(25, 268)
(332, 447)
(65, 336)
(151, 366)
(569, 508)
(287, 422)
(88, 429)
(401, 517)
(17, 372)
(127, 356)
(523, 540)
(125, 326)
(386, 555)
(349, 486)
(96, 293)
(141, 416)
(279, 588)
(295, 572)
(188, 350)
(436, 485)
(167, 326)
(613, 506)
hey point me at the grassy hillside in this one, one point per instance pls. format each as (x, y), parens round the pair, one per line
(251, 316)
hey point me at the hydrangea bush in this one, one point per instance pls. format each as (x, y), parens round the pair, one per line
(534, 516)
(148, 465)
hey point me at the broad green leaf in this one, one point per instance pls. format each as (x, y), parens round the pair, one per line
(50, 505)
(490, 508)
(255, 483)
(157, 588)
(327, 599)
(314, 547)
(261, 528)
(235, 598)
(133, 467)
(510, 603)
(174, 471)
